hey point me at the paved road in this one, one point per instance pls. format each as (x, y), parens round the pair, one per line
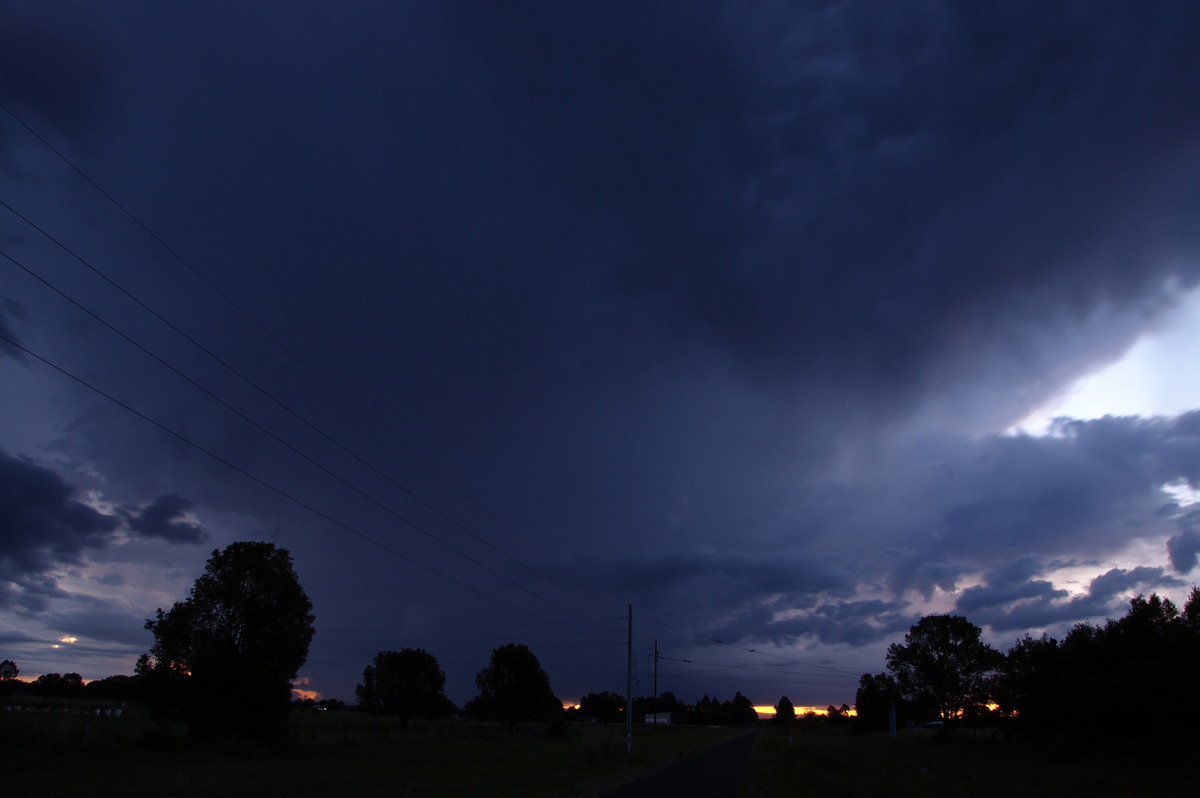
(714, 773)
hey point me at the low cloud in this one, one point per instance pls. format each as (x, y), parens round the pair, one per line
(1037, 604)
(165, 518)
(44, 523)
(46, 527)
(724, 580)
(854, 623)
(1184, 548)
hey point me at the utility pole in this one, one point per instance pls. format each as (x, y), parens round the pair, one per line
(654, 703)
(629, 687)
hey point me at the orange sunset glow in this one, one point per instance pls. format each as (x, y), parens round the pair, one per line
(768, 711)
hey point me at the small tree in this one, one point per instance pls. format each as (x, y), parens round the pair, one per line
(226, 655)
(514, 689)
(8, 670)
(407, 683)
(605, 707)
(944, 661)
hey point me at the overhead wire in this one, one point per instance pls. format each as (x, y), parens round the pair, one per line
(264, 483)
(265, 393)
(346, 483)
(329, 384)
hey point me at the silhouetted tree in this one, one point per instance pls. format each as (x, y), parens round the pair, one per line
(873, 702)
(605, 707)
(1026, 686)
(707, 712)
(944, 661)
(59, 685)
(666, 702)
(1190, 617)
(8, 670)
(407, 683)
(226, 655)
(514, 689)
(739, 711)
(785, 713)
(1140, 668)
(113, 688)
(837, 716)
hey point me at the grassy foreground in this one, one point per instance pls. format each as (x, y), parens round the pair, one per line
(921, 766)
(333, 753)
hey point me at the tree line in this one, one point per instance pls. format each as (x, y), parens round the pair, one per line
(66, 685)
(224, 659)
(1134, 676)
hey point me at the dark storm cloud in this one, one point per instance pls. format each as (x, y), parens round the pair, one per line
(44, 527)
(913, 572)
(725, 580)
(111, 579)
(165, 518)
(1038, 605)
(875, 202)
(1184, 548)
(1093, 486)
(853, 623)
(1004, 511)
(43, 523)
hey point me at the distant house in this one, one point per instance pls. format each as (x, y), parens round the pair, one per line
(658, 718)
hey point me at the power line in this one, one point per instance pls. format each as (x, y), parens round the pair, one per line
(329, 384)
(264, 483)
(274, 399)
(280, 440)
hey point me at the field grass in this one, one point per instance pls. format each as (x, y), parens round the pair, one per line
(331, 753)
(57, 750)
(922, 765)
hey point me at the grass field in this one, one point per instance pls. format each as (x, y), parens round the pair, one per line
(922, 766)
(56, 752)
(331, 753)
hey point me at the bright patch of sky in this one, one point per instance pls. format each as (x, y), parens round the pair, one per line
(1157, 376)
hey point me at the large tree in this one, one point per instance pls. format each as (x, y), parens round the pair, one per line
(785, 712)
(944, 662)
(407, 683)
(232, 648)
(875, 699)
(514, 689)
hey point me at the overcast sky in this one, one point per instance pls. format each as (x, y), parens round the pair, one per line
(503, 317)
